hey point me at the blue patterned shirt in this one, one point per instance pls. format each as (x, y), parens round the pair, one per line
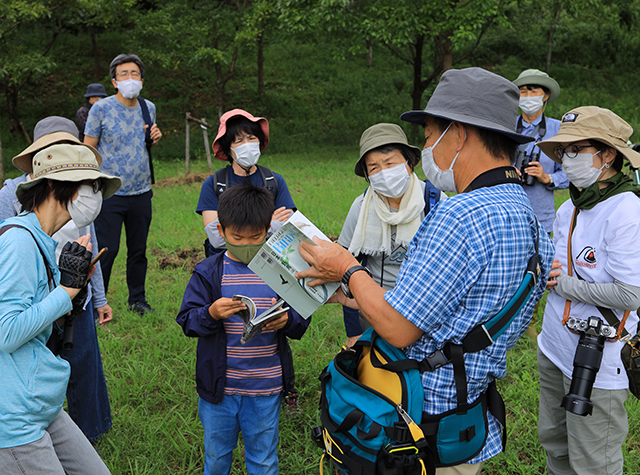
(120, 130)
(464, 264)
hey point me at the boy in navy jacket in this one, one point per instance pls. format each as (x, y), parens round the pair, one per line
(240, 386)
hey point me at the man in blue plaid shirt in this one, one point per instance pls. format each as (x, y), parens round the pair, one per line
(470, 254)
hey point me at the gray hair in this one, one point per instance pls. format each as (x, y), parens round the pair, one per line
(125, 58)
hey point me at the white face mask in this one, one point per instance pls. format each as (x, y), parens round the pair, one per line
(531, 105)
(129, 88)
(580, 171)
(86, 207)
(391, 182)
(441, 179)
(247, 154)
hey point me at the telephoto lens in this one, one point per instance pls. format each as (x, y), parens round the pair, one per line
(586, 365)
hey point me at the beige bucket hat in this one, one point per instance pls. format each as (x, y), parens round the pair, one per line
(591, 122)
(48, 131)
(69, 162)
(383, 134)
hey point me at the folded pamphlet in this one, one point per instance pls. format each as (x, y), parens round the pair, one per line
(278, 261)
(253, 323)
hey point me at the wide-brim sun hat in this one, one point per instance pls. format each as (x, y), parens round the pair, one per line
(477, 97)
(49, 131)
(535, 77)
(222, 129)
(592, 123)
(68, 162)
(382, 134)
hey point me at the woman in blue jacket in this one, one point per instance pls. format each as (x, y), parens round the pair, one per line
(36, 435)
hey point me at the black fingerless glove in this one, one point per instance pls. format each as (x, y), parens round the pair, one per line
(74, 265)
(78, 303)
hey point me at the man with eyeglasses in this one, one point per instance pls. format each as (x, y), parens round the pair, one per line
(116, 127)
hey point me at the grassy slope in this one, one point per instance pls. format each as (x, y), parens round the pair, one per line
(150, 364)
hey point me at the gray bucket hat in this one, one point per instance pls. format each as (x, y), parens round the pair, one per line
(383, 134)
(474, 96)
(539, 78)
(69, 162)
(49, 131)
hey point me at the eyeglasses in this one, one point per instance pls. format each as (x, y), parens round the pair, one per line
(125, 74)
(96, 185)
(571, 151)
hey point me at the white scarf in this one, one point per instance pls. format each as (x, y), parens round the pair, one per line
(372, 234)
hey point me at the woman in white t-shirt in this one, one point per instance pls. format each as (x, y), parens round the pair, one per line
(599, 228)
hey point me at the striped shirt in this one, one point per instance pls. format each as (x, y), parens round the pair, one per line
(253, 369)
(462, 267)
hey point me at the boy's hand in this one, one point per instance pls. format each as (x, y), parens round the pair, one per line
(224, 307)
(279, 322)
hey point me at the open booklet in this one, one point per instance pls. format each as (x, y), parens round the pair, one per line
(253, 323)
(278, 261)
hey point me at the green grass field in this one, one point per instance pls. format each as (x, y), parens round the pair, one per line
(150, 364)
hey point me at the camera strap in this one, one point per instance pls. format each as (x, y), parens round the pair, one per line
(607, 313)
(539, 128)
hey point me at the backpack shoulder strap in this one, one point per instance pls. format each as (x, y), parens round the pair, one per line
(269, 180)
(220, 179)
(4, 229)
(147, 135)
(431, 196)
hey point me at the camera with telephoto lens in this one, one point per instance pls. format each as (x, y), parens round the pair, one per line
(522, 162)
(586, 363)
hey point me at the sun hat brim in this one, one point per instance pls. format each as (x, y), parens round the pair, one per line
(547, 146)
(23, 160)
(110, 184)
(417, 117)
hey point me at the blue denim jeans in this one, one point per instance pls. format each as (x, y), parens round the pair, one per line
(87, 397)
(257, 419)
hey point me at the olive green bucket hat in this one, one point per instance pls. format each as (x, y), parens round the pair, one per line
(383, 134)
(535, 77)
(591, 122)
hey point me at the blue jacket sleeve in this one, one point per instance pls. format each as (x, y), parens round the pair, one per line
(202, 290)
(296, 326)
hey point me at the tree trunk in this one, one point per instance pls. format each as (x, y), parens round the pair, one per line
(261, 92)
(94, 48)
(416, 94)
(552, 30)
(11, 95)
(369, 54)
(447, 53)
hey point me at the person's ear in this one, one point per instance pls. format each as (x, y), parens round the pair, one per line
(609, 155)
(220, 230)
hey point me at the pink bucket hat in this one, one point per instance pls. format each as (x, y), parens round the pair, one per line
(222, 129)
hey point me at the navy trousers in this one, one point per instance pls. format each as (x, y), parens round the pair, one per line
(87, 397)
(135, 213)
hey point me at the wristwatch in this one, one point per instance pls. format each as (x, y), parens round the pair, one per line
(344, 283)
(551, 183)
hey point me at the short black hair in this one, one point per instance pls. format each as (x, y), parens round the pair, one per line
(63, 192)
(125, 58)
(246, 206)
(617, 162)
(235, 126)
(529, 86)
(409, 153)
(498, 145)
